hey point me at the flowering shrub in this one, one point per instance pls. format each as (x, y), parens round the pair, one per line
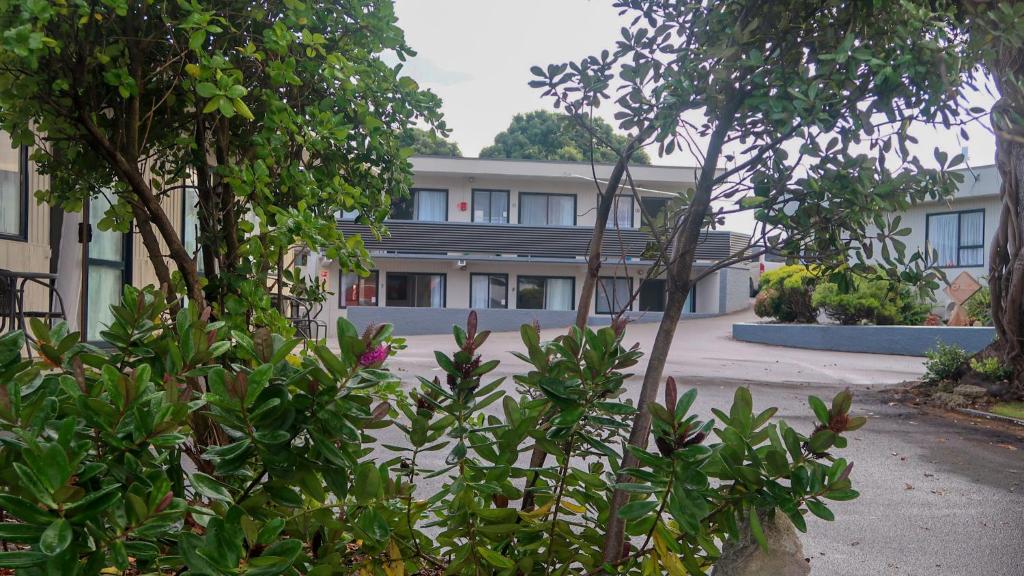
(187, 447)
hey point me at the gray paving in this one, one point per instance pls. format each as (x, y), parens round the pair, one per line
(939, 496)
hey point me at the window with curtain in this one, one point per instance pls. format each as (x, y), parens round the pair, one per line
(490, 206)
(957, 238)
(13, 190)
(622, 212)
(488, 291)
(424, 205)
(612, 294)
(357, 290)
(546, 293)
(537, 209)
(415, 290)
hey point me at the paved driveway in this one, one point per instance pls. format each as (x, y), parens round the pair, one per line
(939, 496)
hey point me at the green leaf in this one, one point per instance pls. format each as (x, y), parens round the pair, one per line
(634, 510)
(210, 487)
(757, 531)
(56, 538)
(242, 109)
(206, 90)
(367, 483)
(819, 408)
(820, 510)
(495, 559)
(21, 559)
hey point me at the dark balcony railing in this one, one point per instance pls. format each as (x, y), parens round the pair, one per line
(412, 237)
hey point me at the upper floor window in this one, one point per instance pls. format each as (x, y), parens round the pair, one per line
(537, 209)
(958, 238)
(490, 206)
(13, 190)
(653, 205)
(622, 212)
(422, 204)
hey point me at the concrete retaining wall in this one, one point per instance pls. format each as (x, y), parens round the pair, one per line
(415, 321)
(902, 340)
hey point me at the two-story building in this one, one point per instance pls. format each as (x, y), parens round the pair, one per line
(509, 238)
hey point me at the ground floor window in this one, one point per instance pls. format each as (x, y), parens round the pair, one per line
(613, 294)
(488, 290)
(357, 290)
(653, 293)
(108, 270)
(546, 293)
(415, 290)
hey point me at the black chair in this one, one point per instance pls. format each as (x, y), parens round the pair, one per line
(304, 315)
(13, 313)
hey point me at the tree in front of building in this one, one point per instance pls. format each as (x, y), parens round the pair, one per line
(278, 114)
(797, 112)
(543, 135)
(429, 143)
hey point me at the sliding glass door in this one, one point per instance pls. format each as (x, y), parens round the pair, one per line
(546, 293)
(488, 290)
(415, 290)
(107, 268)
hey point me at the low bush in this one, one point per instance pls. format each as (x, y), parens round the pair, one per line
(786, 295)
(991, 368)
(979, 307)
(187, 447)
(943, 362)
(877, 302)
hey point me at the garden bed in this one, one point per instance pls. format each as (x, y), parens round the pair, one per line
(902, 340)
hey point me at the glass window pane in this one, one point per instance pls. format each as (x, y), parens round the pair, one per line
(479, 289)
(498, 292)
(942, 238)
(398, 290)
(652, 296)
(105, 285)
(561, 211)
(612, 295)
(622, 212)
(533, 209)
(531, 293)
(431, 205)
(972, 257)
(653, 206)
(401, 208)
(481, 205)
(356, 291)
(11, 194)
(559, 294)
(105, 244)
(972, 231)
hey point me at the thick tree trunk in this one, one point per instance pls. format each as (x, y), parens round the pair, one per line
(1006, 262)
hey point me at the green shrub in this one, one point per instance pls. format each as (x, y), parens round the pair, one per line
(190, 447)
(786, 295)
(870, 301)
(991, 368)
(979, 307)
(943, 362)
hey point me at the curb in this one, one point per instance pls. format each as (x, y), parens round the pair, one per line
(990, 416)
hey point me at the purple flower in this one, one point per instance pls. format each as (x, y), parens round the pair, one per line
(374, 356)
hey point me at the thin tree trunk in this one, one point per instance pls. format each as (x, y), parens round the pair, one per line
(604, 208)
(679, 272)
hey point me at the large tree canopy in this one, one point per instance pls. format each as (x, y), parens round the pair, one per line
(279, 113)
(542, 135)
(429, 143)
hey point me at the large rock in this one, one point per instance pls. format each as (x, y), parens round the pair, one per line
(785, 555)
(947, 400)
(970, 391)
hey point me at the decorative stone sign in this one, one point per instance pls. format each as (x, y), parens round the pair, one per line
(959, 291)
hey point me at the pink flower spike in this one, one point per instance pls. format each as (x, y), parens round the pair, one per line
(375, 356)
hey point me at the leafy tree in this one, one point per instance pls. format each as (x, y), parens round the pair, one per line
(92, 479)
(793, 109)
(428, 143)
(279, 113)
(543, 135)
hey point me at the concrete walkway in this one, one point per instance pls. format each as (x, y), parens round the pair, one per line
(704, 348)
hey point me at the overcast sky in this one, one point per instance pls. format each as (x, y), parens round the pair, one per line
(476, 55)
